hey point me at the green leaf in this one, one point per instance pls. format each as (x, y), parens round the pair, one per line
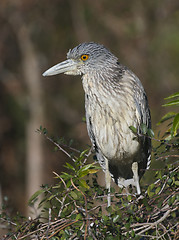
(157, 190)
(105, 218)
(83, 183)
(171, 103)
(127, 226)
(166, 117)
(93, 170)
(83, 119)
(177, 183)
(133, 129)
(35, 195)
(150, 133)
(84, 152)
(69, 166)
(109, 237)
(175, 125)
(74, 195)
(173, 214)
(171, 200)
(44, 130)
(149, 190)
(169, 181)
(78, 216)
(83, 173)
(133, 233)
(129, 198)
(55, 148)
(51, 197)
(172, 96)
(144, 128)
(65, 175)
(87, 166)
(116, 218)
(68, 184)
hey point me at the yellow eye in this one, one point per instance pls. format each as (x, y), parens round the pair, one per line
(84, 57)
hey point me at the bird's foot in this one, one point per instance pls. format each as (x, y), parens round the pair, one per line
(108, 181)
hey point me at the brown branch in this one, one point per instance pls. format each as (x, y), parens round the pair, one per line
(65, 225)
(155, 223)
(49, 222)
(86, 210)
(60, 148)
(168, 231)
(167, 156)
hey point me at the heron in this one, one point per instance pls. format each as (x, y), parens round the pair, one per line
(115, 100)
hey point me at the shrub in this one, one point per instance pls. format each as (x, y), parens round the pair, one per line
(76, 206)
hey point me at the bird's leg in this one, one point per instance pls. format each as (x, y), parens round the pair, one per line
(108, 181)
(136, 176)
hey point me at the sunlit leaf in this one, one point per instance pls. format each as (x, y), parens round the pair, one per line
(157, 190)
(83, 173)
(87, 170)
(94, 170)
(78, 216)
(166, 117)
(172, 96)
(83, 183)
(116, 218)
(177, 183)
(149, 190)
(133, 129)
(175, 125)
(172, 103)
(69, 166)
(84, 152)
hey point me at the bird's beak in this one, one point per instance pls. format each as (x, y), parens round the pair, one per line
(67, 67)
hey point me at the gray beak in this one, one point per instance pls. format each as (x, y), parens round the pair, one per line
(67, 67)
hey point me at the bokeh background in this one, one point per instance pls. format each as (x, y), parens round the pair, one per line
(34, 35)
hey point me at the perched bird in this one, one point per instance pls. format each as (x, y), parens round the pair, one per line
(114, 100)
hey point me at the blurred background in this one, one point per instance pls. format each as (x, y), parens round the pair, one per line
(35, 35)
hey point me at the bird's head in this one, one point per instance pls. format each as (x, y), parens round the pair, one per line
(85, 58)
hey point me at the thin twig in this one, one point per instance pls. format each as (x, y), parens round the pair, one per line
(60, 228)
(49, 222)
(60, 178)
(157, 222)
(168, 231)
(86, 210)
(61, 149)
(167, 156)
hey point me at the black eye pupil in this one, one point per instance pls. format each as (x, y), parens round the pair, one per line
(84, 57)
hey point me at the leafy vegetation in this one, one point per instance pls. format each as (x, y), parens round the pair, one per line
(76, 206)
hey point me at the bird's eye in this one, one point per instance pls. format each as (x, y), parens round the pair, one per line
(84, 57)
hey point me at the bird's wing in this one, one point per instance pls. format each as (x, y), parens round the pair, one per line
(131, 84)
(143, 110)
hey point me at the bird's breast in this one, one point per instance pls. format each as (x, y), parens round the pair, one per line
(110, 115)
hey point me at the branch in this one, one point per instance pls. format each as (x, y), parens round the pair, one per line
(151, 225)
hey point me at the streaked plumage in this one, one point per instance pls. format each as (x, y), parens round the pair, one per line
(114, 101)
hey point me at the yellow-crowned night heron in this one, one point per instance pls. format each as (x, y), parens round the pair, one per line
(114, 100)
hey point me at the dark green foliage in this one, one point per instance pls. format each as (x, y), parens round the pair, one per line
(76, 206)
(174, 126)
